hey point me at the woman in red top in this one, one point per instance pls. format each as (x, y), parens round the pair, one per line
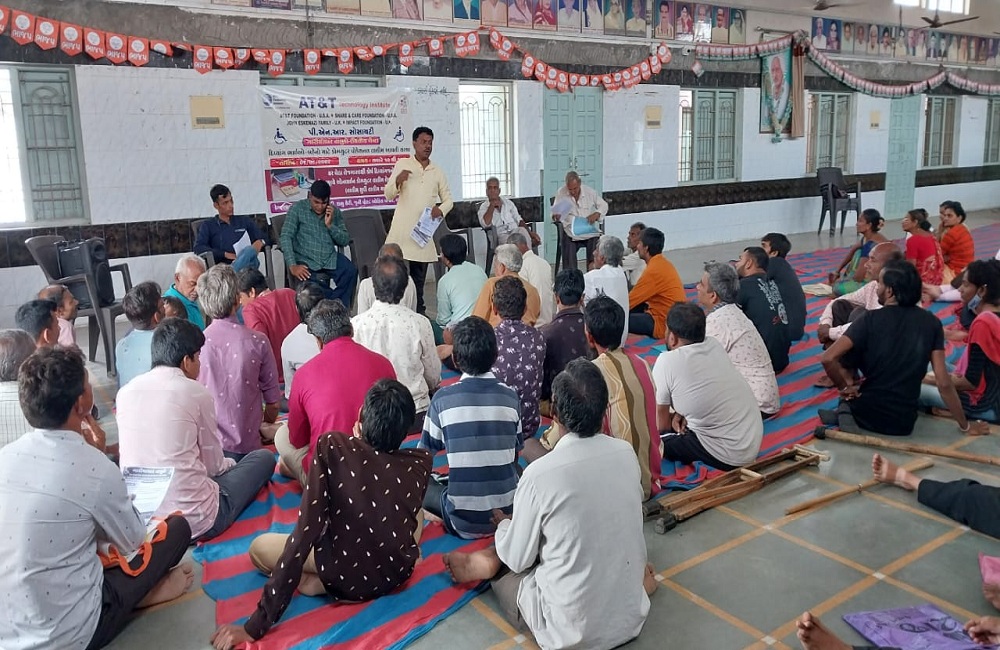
(956, 240)
(922, 249)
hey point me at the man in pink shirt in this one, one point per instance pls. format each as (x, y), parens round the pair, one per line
(237, 366)
(167, 419)
(272, 313)
(329, 389)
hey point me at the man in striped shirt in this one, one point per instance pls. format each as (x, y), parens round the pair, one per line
(478, 423)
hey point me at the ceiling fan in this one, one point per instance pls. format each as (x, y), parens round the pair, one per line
(823, 5)
(936, 23)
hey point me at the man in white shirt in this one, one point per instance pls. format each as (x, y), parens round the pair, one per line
(578, 201)
(571, 590)
(633, 263)
(15, 347)
(715, 416)
(608, 277)
(538, 273)
(300, 346)
(61, 500)
(167, 419)
(366, 291)
(727, 324)
(401, 335)
(499, 218)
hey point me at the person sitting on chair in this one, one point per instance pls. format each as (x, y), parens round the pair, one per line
(499, 217)
(220, 234)
(583, 203)
(658, 289)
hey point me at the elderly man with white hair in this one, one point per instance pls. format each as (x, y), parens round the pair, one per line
(538, 273)
(499, 217)
(189, 268)
(237, 367)
(508, 262)
(608, 277)
(727, 324)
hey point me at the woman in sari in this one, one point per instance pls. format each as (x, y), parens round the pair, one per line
(922, 249)
(956, 240)
(850, 275)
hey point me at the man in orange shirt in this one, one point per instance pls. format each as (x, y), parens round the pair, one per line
(658, 288)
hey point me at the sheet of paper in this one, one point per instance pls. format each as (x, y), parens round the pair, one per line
(924, 627)
(562, 207)
(583, 229)
(423, 232)
(242, 243)
(147, 486)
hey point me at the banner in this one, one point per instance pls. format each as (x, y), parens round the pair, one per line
(350, 138)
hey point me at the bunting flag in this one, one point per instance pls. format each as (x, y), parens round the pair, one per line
(116, 50)
(202, 58)
(364, 53)
(406, 54)
(161, 47)
(467, 44)
(435, 47)
(242, 55)
(46, 33)
(138, 51)
(71, 39)
(527, 65)
(260, 56)
(311, 61)
(276, 63)
(223, 57)
(345, 60)
(93, 43)
(22, 27)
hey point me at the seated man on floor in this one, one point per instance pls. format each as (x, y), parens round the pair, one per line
(520, 352)
(401, 335)
(330, 388)
(65, 311)
(38, 319)
(608, 278)
(167, 419)
(15, 347)
(571, 589)
(220, 234)
(55, 486)
(321, 555)
(300, 346)
(272, 313)
(237, 367)
(657, 290)
(565, 338)
(702, 398)
(760, 300)
(189, 268)
(587, 205)
(459, 289)
(777, 248)
(538, 272)
(891, 347)
(143, 307)
(726, 323)
(507, 263)
(313, 229)
(366, 290)
(478, 423)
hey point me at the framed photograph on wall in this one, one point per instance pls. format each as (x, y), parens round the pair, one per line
(776, 91)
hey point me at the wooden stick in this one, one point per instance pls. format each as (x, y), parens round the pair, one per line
(914, 466)
(872, 441)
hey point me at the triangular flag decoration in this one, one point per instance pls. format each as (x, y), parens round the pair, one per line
(93, 43)
(163, 47)
(184, 47)
(116, 51)
(527, 66)
(311, 61)
(506, 49)
(644, 70)
(364, 53)
(71, 41)
(276, 63)
(201, 59)
(655, 65)
(345, 61)
(495, 37)
(22, 27)
(138, 50)
(562, 82)
(406, 54)
(46, 33)
(541, 69)
(223, 57)
(242, 55)
(628, 80)
(261, 56)
(378, 50)
(4, 18)
(467, 44)
(329, 52)
(435, 47)
(663, 53)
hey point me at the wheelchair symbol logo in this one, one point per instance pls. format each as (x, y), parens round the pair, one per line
(279, 137)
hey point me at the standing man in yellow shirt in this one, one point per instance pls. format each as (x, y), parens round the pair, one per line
(419, 184)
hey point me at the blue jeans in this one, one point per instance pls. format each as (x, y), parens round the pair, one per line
(247, 259)
(344, 277)
(931, 397)
(238, 487)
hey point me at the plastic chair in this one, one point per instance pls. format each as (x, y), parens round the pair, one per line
(443, 230)
(837, 197)
(101, 320)
(277, 223)
(367, 235)
(209, 257)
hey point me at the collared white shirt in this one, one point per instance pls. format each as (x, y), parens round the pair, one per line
(366, 296)
(728, 325)
(866, 296)
(406, 339)
(608, 281)
(580, 590)
(505, 221)
(59, 498)
(13, 424)
(634, 266)
(168, 420)
(588, 203)
(538, 273)
(297, 348)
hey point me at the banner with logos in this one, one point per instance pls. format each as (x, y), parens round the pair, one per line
(349, 137)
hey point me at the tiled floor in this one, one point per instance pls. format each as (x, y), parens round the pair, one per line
(738, 576)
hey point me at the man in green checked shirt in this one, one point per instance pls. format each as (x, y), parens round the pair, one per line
(313, 229)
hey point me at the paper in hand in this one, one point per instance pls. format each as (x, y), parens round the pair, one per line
(147, 486)
(242, 243)
(427, 225)
(562, 208)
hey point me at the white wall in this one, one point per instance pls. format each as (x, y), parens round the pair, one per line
(635, 156)
(870, 146)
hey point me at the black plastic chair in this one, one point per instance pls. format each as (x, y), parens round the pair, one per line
(837, 197)
(277, 223)
(367, 237)
(209, 257)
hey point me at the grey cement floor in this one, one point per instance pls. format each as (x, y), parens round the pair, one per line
(738, 576)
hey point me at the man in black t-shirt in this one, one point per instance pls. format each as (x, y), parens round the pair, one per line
(891, 346)
(760, 299)
(777, 247)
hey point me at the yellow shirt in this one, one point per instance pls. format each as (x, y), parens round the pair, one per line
(426, 187)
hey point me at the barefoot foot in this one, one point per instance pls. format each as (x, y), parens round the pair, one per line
(813, 635)
(173, 585)
(472, 567)
(649, 582)
(885, 471)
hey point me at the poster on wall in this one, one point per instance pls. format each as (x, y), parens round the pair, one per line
(614, 18)
(349, 137)
(663, 20)
(593, 17)
(737, 27)
(519, 13)
(775, 92)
